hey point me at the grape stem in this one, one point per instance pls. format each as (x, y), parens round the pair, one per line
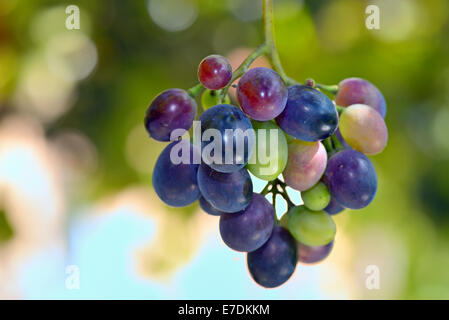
(195, 90)
(272, 52)
(333, 89)
(276, 187)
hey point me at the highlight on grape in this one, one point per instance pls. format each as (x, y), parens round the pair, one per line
(311, 137)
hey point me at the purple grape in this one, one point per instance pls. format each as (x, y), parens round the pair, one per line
(313, 254)
(333, 207)
(273, 264)
(250, 228)
(208, 208)
(221, 119)
(170, 110)
(215, 72)
(351, 179)
(262, 94)
(355, 90)
(176, 184)
(227, 192)
(309, 114)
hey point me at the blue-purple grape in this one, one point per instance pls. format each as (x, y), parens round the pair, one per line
(313, 254)
(176, 184)
(227, 192)
(230, 124)
(215, 72)
(250, 228)
(262, 94)
(309, 114)
(170, 110)
(333, 207)
(273, 264)
(351, 179)
(208, 208)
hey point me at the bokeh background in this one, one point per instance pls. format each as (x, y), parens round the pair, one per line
(76, 163)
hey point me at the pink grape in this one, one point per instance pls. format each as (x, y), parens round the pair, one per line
(215, 72)
(363, 129)
(305, 165)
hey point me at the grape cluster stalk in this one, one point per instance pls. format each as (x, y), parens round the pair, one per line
(321, 148)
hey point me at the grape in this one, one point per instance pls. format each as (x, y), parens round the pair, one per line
(355, 90)
(208, 208)
(317, 197)
(309, 114)
(211, 98)
(223, 118)
(333, 207)
(170, 110)
(273, 264)
(306, 164)
(313, 228)
(215, 72)
(351, 179)
(268, 159)
(363, 129)
(341, 139)
(262, 94)
(250, 228)
(176, 184)
(227, 192)
(313, 254)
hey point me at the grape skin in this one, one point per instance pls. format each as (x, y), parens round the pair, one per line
(176, 184)
(262, 94)
(274, 263)
(312, 228)
(364, 129)
(208, 208)
(221, 118)
(211, 98)
(333, 207)
(170, 110)
(267, 171)
(316, 198)
(227, 192)
(250, 228)
(313, 254)
(305, 165)
(215, 72)
(356, 90)
(351, 179)
(309, 114)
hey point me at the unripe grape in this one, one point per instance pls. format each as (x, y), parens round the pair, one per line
(316, 198)
(305, 165)
(268, 159)
(312, 228)
(355, 90)
(215, 72)
(262, 94)
(170, 110)
(363, 129)
(211, 98)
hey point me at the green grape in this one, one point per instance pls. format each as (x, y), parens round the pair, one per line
(211, 98)
(316, 198)
(265, 163)
(312, 228)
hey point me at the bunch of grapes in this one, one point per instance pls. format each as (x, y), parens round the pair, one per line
(320, 149)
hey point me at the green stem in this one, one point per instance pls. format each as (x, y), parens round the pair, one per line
(240, 71)
(333, 89)
(328, 144)
(195, 90)
(336, 143)
(272, 52)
